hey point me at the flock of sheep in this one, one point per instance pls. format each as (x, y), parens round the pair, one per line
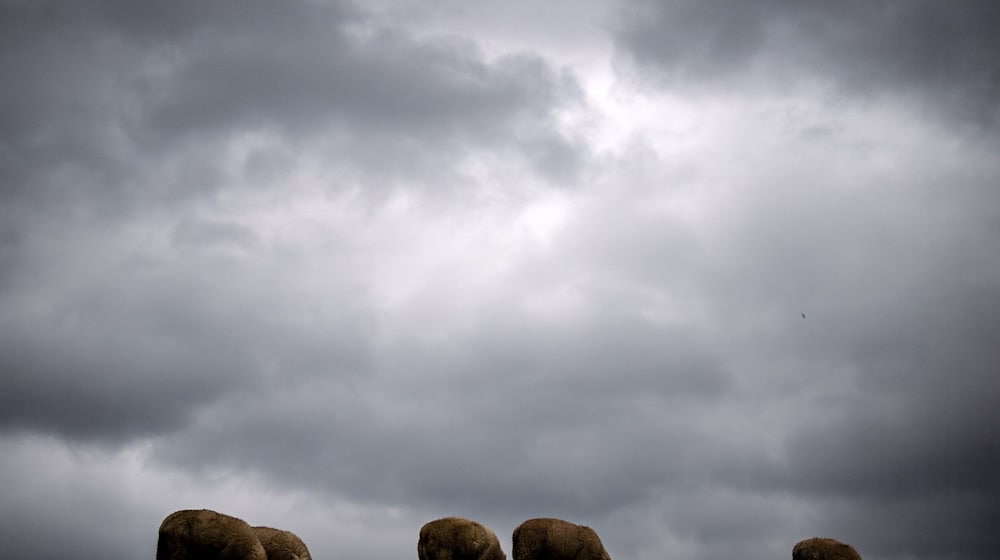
(203, 534)
(208, 535)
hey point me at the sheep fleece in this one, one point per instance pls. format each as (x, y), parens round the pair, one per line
(455, 538)
(824, 549)
(207, 535)
(555, 539)
(282, 545)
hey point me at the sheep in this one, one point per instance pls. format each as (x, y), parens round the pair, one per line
(207, 535)
(281, 545)
(555, 539)
(818, 548)
(455, 538)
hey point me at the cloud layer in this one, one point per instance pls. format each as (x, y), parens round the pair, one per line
(727, 283)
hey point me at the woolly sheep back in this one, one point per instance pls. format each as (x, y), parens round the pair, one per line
(818, 548)
(555, 539)
(204, 534)
(281, 545)
(455, 538)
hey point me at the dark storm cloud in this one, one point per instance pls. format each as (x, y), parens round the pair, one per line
(941, 53)
(202, 300)
(885, 392)
(522, 418)
(119, 113)
(920, 443)
(106, 97)
(134, 347)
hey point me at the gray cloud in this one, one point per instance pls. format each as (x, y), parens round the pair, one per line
(940, 54)
(157, 92)
(922, 433)
(158, 96)
(601, 391)
(328, 269)
(137, 346)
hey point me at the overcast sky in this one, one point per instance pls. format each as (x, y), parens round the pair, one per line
(708, 276)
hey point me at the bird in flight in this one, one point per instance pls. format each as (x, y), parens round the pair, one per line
(803, 315)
